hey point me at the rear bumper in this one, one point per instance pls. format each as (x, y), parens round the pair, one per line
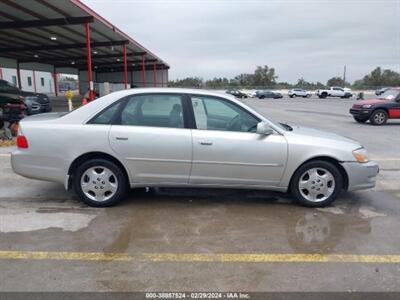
(38, 167)
(361, 113)
(361, 175)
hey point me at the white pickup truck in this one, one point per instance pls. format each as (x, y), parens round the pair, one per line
(334, 91)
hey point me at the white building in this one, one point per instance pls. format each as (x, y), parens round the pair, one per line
(35, 77)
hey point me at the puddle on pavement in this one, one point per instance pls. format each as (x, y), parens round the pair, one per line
(17, 220)
(205, 221)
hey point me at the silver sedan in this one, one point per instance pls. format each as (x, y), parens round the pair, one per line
(185, 138)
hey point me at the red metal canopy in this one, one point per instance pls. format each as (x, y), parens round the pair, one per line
(67, 33)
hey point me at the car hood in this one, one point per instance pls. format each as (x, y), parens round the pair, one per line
(316, 133)
(370, 102)
(10, 98)
(25, 93)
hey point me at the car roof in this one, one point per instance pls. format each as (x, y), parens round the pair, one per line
(123, 93)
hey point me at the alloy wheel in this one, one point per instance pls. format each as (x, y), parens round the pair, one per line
(316, 184)
(99, 183)
(379, 118)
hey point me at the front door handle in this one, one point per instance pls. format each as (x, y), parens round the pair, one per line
(206, 143)
(120, 138)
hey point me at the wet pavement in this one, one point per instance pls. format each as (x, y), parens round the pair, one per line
(205, 221)
(43, 218)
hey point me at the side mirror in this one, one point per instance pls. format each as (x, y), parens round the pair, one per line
(263, 128)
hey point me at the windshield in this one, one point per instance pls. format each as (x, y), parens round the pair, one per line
(5, 86)
(283, 126)
(390, 94)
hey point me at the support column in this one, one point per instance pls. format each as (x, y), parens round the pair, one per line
(55, 82)
(34, 80)
(143, 71)
(19, 76)
(1, 73)
(89, 62)
(162, 76)
(125, 66)
(155, 74)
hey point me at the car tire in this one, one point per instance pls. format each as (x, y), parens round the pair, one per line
(294, 96)
(379, 117)
(261, 97)
(324, 95)
(360, 120)
(100, 183)
(316, 183)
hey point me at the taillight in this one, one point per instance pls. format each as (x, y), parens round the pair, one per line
(22, 142)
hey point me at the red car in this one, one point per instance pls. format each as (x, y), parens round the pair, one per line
(379, 110)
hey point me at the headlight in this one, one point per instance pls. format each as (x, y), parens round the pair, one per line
(366, 106)
(361, 155)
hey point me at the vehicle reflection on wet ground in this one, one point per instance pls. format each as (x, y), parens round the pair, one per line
(202, 221)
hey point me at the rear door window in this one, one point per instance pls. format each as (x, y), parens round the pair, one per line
(155, 110)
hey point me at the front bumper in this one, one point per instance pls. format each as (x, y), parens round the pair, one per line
(361, 175)
(40, 108)
(361, 113)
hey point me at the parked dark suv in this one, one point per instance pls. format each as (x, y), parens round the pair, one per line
(268, 94)
(35, 102)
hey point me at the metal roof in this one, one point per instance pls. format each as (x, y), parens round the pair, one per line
(53, 32)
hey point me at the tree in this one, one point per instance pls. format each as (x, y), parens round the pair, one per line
(264, 76)
(336, 81)
(189, 82)
(378, 78)
(244, 79)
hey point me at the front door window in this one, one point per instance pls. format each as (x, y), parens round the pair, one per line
(216, 114)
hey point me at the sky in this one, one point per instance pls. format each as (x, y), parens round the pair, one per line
(312, 39)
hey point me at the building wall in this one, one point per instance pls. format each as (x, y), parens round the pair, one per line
(40, 76)
(134, 78)
(31, 81)
(34, 76)
(9, 74)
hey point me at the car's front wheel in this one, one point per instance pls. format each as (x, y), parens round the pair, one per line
(316, 183)
(379, 117)
(99, 182)
(323, 96)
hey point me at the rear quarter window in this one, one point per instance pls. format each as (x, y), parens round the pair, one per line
(106, 116)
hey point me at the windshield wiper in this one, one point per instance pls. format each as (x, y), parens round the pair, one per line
(287, 127)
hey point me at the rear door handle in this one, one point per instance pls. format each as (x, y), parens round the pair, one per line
(206, 143)
(120, 138)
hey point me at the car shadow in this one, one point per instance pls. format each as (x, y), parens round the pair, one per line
(206, 195)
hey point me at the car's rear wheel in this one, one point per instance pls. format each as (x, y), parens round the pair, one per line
(379, 117)
(316, 183)
(99, 183)
(323, 95)
(360, 120)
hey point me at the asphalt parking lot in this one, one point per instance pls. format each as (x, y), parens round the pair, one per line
(210, 240)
